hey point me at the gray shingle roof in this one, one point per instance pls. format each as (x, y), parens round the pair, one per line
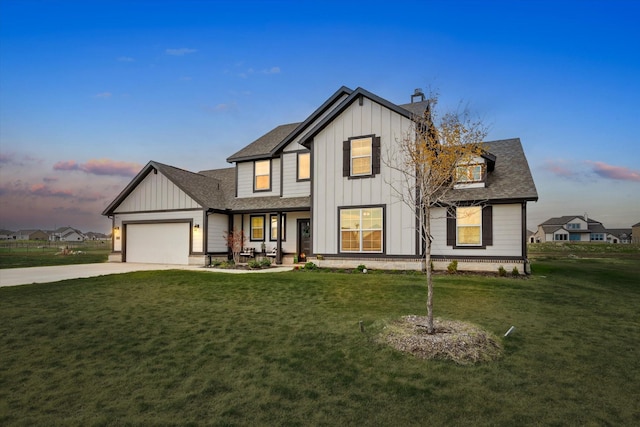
(263, 146)
(510, 180)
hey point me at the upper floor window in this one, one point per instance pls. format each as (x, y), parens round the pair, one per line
(304, 166)
(361, 156)
(262, 175)
(469, 173)
(573, 226)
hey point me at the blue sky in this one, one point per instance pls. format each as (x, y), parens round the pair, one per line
(90, 91)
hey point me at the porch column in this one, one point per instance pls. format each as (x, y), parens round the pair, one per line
(279, 238)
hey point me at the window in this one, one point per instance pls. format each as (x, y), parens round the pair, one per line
(559, 237)
(361, 230)
(257, 228)
(573, 226)
(361, 157)
(574, 237)
(597, 236)
(469, 226)
(469, 173)
(304, 166)
(274, 228)
(262, 172)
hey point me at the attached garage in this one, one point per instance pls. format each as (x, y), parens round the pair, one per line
(158, 243)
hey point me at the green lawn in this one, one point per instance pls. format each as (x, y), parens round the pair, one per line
(193, 348)
(37, 254)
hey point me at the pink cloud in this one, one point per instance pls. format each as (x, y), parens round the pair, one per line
(46, 191)
(559, 168)
(101, 167)
(614, 172)
(69, 165)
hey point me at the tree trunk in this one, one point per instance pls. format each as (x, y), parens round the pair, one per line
(427, 258)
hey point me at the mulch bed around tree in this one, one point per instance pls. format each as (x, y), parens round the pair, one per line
(461, 342)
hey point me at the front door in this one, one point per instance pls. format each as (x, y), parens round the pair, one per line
(304, 239)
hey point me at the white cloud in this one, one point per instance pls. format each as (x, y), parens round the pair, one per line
(125, 59)
(180, 52)
(104, 95)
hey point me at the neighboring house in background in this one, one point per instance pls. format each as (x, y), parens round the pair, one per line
(635, 233)
(319, 190)
(91, 235)
(30, 235)
(6, 234)
(619, 235)
(571, 228)
(67, 234)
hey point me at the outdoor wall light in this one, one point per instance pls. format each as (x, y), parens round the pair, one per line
(196, 227)
(116, 228)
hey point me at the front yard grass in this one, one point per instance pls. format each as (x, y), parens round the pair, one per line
(193, 348)
(39, 254)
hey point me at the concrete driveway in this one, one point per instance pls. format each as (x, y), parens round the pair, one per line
(24, 276)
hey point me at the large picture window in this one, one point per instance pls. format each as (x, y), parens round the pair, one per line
(361, 230)
(304, 166)
(257, 228)
(262, 175)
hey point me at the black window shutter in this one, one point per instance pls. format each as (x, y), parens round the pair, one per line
(451, 226)
(346, 158)
(487, 226)
(375, 152)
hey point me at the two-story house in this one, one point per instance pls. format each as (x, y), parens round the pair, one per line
(571, 228)
(319, 190)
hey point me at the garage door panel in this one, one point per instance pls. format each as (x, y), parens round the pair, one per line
(158, 243)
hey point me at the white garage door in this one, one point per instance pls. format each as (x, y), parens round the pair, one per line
(166, 243)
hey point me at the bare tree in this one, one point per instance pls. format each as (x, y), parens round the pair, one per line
(428, 158)
(235, 241)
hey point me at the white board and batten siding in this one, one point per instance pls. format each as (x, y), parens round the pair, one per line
(156, 192)
(245, 180)
(291, 187)
(331, 190)
(218, 225)
(507, 233)
(158, 200)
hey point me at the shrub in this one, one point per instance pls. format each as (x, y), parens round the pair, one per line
(361, 268)
(501, 271)
(266, 263)
(515, 272)
(452, 268)
(254, 264)
(310, 266)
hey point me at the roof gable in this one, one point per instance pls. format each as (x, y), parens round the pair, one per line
(204, 190)
(272, 143)
(355, 95)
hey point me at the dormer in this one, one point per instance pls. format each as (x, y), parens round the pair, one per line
(472, 172)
